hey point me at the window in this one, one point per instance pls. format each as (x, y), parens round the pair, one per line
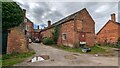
(25, 20)
(27, 27)
(64, 36)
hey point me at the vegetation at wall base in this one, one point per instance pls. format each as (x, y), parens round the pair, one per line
(94, 50)
(66, 48)
(97, 49)
(14, 58)
(113, 45)
(47, 41)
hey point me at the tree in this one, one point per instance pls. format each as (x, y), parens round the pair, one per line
(12, 15)
(55, 34)
(0, 15)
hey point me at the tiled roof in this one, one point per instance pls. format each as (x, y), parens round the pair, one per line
(70, 17)
(118, 23)
(28, 20)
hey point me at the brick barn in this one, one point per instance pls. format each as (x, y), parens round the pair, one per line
(75, 29)
(17, 40)
(30, 32)
(110, 32)
(28, 26)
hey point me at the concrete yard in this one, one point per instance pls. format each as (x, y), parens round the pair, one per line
(63, 58)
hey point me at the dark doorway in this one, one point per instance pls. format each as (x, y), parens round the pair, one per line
(4, 41)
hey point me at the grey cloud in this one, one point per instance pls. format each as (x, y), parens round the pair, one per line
(54, 16)
(24, 5)
(40, 13)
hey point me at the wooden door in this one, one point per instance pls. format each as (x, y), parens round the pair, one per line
(82, 37)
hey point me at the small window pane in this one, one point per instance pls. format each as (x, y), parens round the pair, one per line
(64, 37)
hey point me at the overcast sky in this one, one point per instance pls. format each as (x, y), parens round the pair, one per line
(40, 12)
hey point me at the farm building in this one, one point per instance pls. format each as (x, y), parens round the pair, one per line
(75, 29)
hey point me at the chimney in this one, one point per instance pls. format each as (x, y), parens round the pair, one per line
(24, 11)
(49, 23)
(38, 27)
(113, 18)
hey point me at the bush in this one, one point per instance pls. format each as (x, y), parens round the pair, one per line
(47, 41)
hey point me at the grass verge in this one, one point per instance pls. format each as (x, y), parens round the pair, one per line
(11, 59)
(94, 50)
(66, 48)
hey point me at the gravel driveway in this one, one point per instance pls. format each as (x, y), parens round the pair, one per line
(63, 58)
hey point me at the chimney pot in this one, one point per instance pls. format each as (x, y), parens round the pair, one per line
(24, 11)
(113, 18)
(38, 26)
(49, 23)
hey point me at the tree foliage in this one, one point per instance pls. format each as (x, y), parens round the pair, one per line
(47, 41)
(55, 34)
(12, 15)
(0, 15)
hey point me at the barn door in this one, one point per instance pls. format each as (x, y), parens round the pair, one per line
(82, 37)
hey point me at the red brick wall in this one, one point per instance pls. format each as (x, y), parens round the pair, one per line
(30, 29)
(63, 29)
(85, 21)
(119, 30)
(68, 29)
(90, 39)
(78, 25)
(47, 33)
(88, 23)
(36, 35)
(73, 27)
(108, 33)
(16, 41)
(30, 26)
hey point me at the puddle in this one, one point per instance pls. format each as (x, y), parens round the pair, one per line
(71, 57)
(39, 58)
(36, 59)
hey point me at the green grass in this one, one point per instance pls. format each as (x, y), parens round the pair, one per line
(66, 48)
(97, 49)
(11, 59)
(94, 49)
(113, 46)
(0, 61)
